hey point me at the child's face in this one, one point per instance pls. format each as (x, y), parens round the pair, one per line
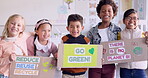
(106, 13)
(131, 21)
(15, 26)
(44, 32)
(75, 28)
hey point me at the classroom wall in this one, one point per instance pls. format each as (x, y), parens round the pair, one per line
(58, 11)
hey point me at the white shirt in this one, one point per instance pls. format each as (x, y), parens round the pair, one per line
(44, 48)
(103, 34)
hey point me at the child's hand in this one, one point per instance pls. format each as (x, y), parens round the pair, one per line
(56, 55)
(104, 51)
(146, 34)
(146, 40)
(146, 37)
(12, 57)
(54, 62)
(102, 60)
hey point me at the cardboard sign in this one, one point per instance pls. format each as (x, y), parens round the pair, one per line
(32, 67)
(79, 56)
(129, 50)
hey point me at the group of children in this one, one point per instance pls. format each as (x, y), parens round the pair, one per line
(14, 41)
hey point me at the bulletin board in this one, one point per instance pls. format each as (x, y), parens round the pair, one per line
(140, 6)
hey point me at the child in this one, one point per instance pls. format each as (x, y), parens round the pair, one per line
(75, 26)
(13, 42)
(132, 69)
(40, 44)
(104, 31)
(146, 35)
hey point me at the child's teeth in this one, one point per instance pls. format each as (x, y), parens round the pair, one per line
(106, 16)
(131, 24)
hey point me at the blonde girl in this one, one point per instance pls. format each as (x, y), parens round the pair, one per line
(13, 42)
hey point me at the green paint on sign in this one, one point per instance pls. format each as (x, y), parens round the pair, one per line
(45, 64)
(45, 70)
(137, 50)
(91, 51)
(51, 66)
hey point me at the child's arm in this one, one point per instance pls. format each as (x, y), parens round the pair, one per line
(90, 36)
(12, 57)
(6, 60)
(54, 50)
(30, 46)
(146, 41)
(56, 55)
(146, 36)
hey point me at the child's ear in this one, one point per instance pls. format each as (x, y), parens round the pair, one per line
(22, 30)
(67, 28)
(36, 32)
(123, 21)
(99, 16)
(82, 27)
(114, 15)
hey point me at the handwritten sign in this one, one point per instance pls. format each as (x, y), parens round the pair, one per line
(34, 67)
(125, 51)
(79, 56)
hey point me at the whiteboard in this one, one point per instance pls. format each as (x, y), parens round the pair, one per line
(31, 10)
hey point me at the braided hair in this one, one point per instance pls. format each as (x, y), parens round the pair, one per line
(37, 26)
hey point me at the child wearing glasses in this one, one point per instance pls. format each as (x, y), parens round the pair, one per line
(131, 31)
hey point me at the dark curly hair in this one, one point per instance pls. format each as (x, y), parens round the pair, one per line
(107, 2)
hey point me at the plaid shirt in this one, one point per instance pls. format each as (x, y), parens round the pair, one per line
(95, 37)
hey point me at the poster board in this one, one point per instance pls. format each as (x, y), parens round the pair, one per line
(129, 50)
(32, 67)
(79, 56)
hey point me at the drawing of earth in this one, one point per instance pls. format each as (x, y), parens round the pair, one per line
(137, 50)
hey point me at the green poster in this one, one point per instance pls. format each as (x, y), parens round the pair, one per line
(80, 55)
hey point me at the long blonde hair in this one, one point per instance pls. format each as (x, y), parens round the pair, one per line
(5, 31)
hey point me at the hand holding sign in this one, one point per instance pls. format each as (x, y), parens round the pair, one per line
(146, 41)
(146, 36)
(12, 57)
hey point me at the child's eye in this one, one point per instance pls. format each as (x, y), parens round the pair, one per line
(71, 27)
(18, 25)
(12, 23)
(43, 30)
(103, 10)
(78, 26)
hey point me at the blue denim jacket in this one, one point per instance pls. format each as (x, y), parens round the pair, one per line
(95, 38)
